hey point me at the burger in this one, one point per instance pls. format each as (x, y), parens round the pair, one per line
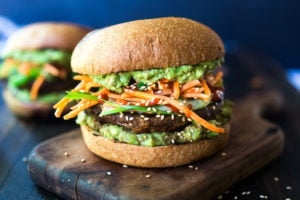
(36, 67)
(150, 93)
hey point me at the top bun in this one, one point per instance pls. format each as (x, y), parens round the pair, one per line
(146, 44)
(46, 35)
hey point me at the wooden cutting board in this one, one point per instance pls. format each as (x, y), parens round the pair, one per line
(253, 143)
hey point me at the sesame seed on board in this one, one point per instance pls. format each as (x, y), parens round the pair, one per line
(223, 154)
(263, 196)
(288, 188)
(148, 176)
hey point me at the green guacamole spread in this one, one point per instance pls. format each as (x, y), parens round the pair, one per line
(183, 74)
(41, 56)
(191, 133)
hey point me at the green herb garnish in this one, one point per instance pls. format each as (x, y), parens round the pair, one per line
(81, 95)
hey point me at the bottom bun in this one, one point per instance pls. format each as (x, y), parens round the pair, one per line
(151, 157)
(27, 110)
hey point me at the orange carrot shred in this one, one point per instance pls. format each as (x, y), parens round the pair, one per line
(80, 108)
(196, 95)
(82, 77)
(205, 87)
(89, 85)
(194, 90)
(36, 86)
(162, 85)
(217, 78)
(25, 67)
(51, 69)
(113, 95)
(176, 90)
(190, 84)
(164, 80)
(60, 106)
(165, 92)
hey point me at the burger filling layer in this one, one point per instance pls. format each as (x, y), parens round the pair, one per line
(117, 81)
(153, 107)
(189, 133)
(38, 75)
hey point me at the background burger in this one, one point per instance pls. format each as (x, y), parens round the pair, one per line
(150, 95)
(36, 66)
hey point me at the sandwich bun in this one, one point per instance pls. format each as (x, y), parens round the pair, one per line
(38, 36)
(153, 157)
(27, 110)
(46, 35)
(146, 44)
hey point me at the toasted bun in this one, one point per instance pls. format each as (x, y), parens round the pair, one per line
(151, 157)
(60, 36)
(27, 110)
(146, 44)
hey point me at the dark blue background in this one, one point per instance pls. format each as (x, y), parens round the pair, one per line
(272, 26)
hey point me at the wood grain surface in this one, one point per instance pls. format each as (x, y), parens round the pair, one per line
(254, 142)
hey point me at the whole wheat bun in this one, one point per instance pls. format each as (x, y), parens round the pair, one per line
(152, 157)
(27, 110)
(61, 36)
(146, 44)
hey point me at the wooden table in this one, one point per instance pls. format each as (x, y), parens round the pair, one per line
(246, 72)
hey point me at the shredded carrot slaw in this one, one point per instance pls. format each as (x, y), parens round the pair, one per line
(164, 93)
